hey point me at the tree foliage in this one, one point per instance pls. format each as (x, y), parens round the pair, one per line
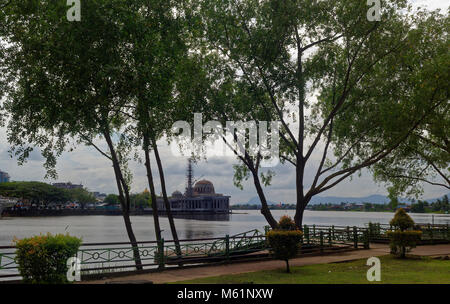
(403, 238)
(424, 157)
(402, 220)
(35, 192)
(346, 91)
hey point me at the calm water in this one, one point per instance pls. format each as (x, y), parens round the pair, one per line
(111, 228)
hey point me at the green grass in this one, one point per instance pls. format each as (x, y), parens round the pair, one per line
(393, 271)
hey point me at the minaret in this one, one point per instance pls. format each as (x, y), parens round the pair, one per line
(189, 190)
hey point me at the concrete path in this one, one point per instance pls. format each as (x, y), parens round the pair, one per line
(174, 275)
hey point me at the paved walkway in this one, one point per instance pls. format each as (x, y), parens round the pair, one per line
(174, 275)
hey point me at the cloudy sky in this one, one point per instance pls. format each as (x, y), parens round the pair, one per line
(85, 165)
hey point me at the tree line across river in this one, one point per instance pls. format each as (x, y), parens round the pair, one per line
(45, 196)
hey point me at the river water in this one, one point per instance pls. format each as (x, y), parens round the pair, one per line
(94, 229)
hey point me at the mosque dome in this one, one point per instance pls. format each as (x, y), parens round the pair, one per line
(177, 194)
(204, 187)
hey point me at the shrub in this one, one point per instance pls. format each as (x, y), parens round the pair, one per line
(403, 238)
(286, 223)
(403, 241)
(402, 220)
(284, 244)
(43, 259)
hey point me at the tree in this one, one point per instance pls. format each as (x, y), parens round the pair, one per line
(36, 192)
(81, 196)
(403, 238)
(334, 80)
(418, 207)
(393, 203)
(160, 57)
(285, 242)
(402, 220)
(140, 200)
(69, 80)
(424, 157)
(112, 199)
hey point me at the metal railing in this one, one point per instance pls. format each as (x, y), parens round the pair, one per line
(431, 233)
(104, 258)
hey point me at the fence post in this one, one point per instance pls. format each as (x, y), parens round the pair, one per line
(329, 236)
(355, 237)
(332, 229)
(266, 229)
(314, 230)
(306, 233)
(227, 247)
(430, 229)
(161, 261)
(348, 233)
(321, 241)
(448, 232)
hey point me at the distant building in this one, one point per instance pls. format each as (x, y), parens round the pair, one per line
(4, 177)
(99, 196)
(200, 198)
(68, 185)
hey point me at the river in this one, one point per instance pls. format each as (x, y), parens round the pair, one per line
(93, 229)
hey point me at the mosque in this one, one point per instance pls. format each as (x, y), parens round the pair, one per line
(198, 198)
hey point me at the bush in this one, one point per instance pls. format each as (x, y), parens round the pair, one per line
(284, 244)
(403, 238)
(43, 259)
(286, 223)
(402, 220)
(403, 241)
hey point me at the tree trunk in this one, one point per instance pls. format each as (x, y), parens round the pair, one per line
(301, 203)
(288, 269)
(264, 207)
(298, 218)
(152, 189)
(403, 253)
(124, 200)
(166, 200)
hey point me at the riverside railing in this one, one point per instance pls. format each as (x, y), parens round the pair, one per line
(431, 233)
(105, 258)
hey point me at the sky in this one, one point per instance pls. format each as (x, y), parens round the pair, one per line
(85, 165)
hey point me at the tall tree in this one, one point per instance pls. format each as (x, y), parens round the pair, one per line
(69, 80)
(330, 76)
(159, 55)
(424, 158)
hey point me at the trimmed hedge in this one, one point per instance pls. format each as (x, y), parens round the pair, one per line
(403, 241)
(43, 259)
(402, 220)
(286, 223)
(284, 244)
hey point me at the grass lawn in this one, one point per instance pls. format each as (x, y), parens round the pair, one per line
(393, 271)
